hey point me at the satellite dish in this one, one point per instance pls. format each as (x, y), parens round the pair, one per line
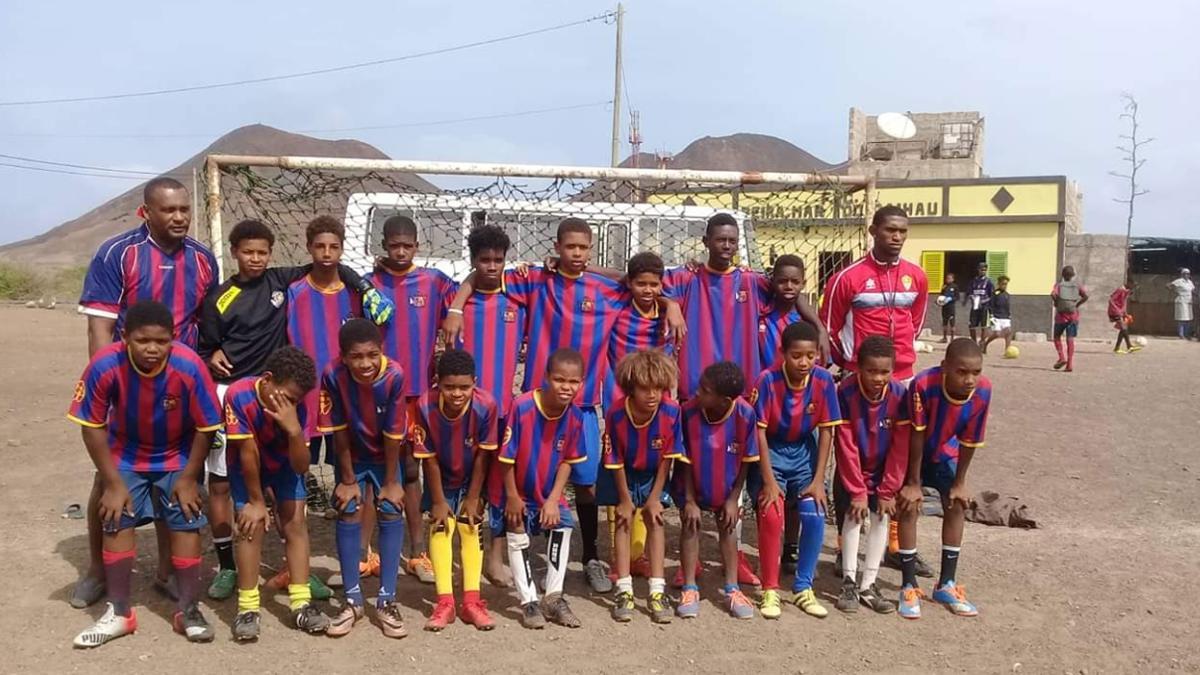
(896, 125)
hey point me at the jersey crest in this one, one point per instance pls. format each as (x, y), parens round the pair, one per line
(417, 301)
(170, 402)
(326, 402)
(79, 392)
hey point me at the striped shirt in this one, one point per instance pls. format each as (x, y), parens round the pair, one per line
(314, 318)
(642, 447)
(770, 333)
(493, 330)
(715, 451)
(948, 423)
(246, 418)
(537, 445)
(370, 411)
(456, 441)
(872, 446)
(790, 412)
(421, 295)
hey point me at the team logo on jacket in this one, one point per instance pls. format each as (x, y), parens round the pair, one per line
(510, 315)
(870, 284)
(741, 296)
(170, 402)
(326, 403)
(907, 282)
(586, 305)
(277, 299)
(79, 391)
(417, 301)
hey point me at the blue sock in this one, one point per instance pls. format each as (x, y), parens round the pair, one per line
(812, 534)
(348, 536)
(730, 588)
(391, 540)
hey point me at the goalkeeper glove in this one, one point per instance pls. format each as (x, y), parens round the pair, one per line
(377, 306)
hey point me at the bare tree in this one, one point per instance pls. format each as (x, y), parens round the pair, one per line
(1129, 154)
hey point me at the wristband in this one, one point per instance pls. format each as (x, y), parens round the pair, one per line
(454, 310)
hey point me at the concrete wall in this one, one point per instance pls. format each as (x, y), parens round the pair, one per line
(914, 159)
(1030, 313)
(1099, 259)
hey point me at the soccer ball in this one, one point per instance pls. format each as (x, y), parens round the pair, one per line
(942, 301)
(1141, 341)
(1012, 352)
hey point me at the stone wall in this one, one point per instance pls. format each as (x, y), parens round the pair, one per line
(1099, 260)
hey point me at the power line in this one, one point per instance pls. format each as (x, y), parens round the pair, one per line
(401, 125)
(308, 73)
(77, 166)
(71, 173)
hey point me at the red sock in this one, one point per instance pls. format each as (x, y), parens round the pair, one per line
(470, 597)
(187, 578)
(770, 544)
(118, 575)
(1070, 352)
(1059, 348)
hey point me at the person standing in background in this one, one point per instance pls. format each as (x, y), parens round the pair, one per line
(1184, 288)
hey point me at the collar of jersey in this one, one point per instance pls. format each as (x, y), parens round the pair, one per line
(795, 387)
(629, 413)
(412, 267)
(495, 291)
(732, 407)
(442, 409)
(383, 361)
(182, 244)
(946, 393)
(537, 401)
(880, 263)
(567, 275)
(652, 315)
(876, 401)
(258, 393)
(157, 371)
(336, 288)
(713, 270)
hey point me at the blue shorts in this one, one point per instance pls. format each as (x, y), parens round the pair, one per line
(939, 476)
(1070, 328)
(285, 485)
(372, 475)
(454, 498)
(639, 483)
(314, 451)
(793, 467)
(532, 526)
(150, 493)
(585, 473)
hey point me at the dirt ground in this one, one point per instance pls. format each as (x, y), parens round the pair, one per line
(1106, 459)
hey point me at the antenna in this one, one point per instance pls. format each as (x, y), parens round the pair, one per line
(635, 136)
(898, 126)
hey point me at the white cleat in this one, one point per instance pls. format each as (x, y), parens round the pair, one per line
(109, 627)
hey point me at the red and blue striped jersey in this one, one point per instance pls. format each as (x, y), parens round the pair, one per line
(770, 333)
(633, 331)
(538, 445)
(245, 418)
(721, 310)
(314, 318)
(493, 331)
(575, 312)
(789, 411)
(642, 447)
(872, 446)
(151, 417)
(371, 411)
(454, 442)
(131, 267)
(422, 295)
(948, 423)
(715, 451)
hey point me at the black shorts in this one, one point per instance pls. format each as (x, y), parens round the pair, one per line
(978, 318)
(841, 503)
(949, 316)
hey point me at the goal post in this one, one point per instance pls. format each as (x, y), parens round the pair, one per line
(819, 217)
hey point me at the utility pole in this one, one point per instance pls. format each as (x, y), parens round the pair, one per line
(616, 119)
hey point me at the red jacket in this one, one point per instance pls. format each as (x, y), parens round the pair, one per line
(868, 297)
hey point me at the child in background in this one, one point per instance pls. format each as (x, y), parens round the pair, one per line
(720, 440)
(362, 405)
(454, 431)
(947, 298)
(1068, 295)
(979, 296)
(872, 454)
(949, 406)
(1118, 314)
(1000, 324)
(787, 280)
(642, 435)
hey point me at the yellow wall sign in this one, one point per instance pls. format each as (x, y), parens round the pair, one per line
(1004, 200)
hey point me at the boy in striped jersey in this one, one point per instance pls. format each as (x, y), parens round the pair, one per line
(872, 451)
(454, 429)
(362, 405)
(787, 280)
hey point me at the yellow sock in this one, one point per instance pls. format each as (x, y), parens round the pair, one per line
(299, 595)
(472, 556)
(637, 536)
(893, 536)
(248, 600)
(441, 553)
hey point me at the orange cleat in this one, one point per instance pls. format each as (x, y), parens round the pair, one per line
(442, 616)
(475, 613)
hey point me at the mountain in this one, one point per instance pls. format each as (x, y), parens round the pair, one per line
(74, 242)
(746, 152)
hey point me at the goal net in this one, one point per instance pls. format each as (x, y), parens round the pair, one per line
(820, 218)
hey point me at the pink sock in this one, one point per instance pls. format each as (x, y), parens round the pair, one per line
(1059, 348)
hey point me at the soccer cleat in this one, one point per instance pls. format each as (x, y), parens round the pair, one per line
(770, 606)
(597, 577)
(556, 609)
(1135, 348)
(739, 605)
(390, 621)
(345, 620)
(910, 602)
(677, 581)
(420, 567)
(640, 567)
(745, 572)
(87, 592)
(879, 604)
(442, 615)
(109, 627)
(1069, 369)
(245, 626)
(191, 624)
(1121, 351)
(531, 616)
(310, 619)
(1060, 364)
(689, 604)
(223, 585)
(807, 601)
(892, 559)
(954, 597)
(622, 610)
(660, 608)
(370, 566)
(475, 613)
(848, 599)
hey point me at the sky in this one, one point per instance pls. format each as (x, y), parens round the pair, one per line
(1047, 76)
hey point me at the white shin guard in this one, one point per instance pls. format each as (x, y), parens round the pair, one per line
(558, 554)
(518, 560)
(877, 540)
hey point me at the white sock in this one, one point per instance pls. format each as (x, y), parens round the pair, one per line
(737, 534)
(877, 541)
(558, 553)
(518, 560)
(658, 585)
(851, 531)
(625, 585)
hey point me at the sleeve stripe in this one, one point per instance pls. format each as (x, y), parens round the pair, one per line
(86, 423)
(330, 430)
(762, 424)
(748, 460)
(614, 466)
(920, 427)
(214, 427)
(965, 444)
(901, 423)
(424, 455)
(831, 423)
(102, 311)
(488, 446)
(576, 460)
(394, 437)
(506, 460)
(238, 437)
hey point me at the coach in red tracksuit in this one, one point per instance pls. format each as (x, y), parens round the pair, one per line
(879, 294)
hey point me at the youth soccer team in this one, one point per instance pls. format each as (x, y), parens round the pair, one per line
(711, 380)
